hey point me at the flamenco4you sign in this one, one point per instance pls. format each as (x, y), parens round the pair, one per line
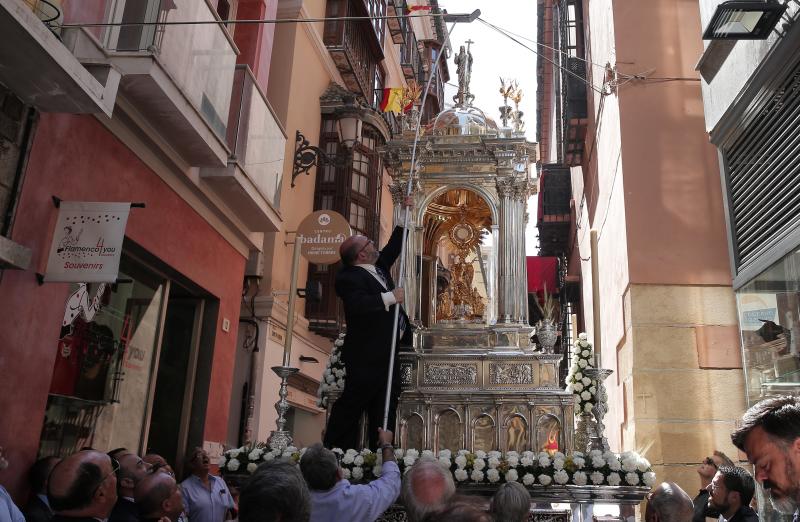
(87, 243)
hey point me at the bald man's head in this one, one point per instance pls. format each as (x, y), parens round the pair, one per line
(668, 503)
(83, 484)
(158, 495)
(427, 487)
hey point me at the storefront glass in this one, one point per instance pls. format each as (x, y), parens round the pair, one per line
(769, 318)
(102, 381)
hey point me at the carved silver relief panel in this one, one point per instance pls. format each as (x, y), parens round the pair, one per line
(505, 373)
(405, 374)
(441, 374)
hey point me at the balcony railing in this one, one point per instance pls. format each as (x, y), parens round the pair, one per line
(410, 58)
(199, 58)
(554, 210)
(397, 26)
(250, 182)
(353, 46)
(255, 137)
(575, 111)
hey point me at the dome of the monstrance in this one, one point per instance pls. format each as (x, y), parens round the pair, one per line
(463, 121)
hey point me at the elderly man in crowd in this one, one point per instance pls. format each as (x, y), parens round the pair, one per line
(427, 488)
(333, 498)
(158, 497)
(158, 463)
(511, 503)
(668, 503)
(132, 469)
(770, 435)
(83, 487)
(276, 492)
(38, 508)
(205, 496)
(731, 491)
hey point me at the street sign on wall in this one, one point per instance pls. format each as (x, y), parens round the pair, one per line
(322, 233)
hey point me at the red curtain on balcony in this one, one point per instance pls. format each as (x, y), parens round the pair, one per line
(542, 271)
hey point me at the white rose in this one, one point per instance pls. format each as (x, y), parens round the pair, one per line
(493, 462)
(252, 467)
(512, 454)
(582, 336)
(512, 460)
(476, 475)
(233, 464)
(582, 363)
(222, 461)
(461, 475)
(358, 461)
(586, 381)
(578, 376)
(579, 478)
(461, 461)
(339, 373)
(544, 460)
(494, 454)
(588, 407)
(338, 342)
(526, 461)
(398, 453)
(649, 478)
(578, 387)
(493, 475)
(558, 464)
(334, 359)
(585, 353)
(561, 476)
(345, 473)
(614, 479)
(479, 464)
(268, 456)
(629, 465)
(427, 453)
(445, 462)
(597, 478)
(598, 462)
(377, 470)
(409, 461)
(348, 458)
(445, 453)
(592, 389)
(642, 464)
(528, 479)
(480, 454)
(613, 464)
(512, 475)
(579, 462)
(358, 473)
(583, 343)
(632, 478)
(412, 453)
(463, 452)
(544, 480)
(586, 395)
(340, 383)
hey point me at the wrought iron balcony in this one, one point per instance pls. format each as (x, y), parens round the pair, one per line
(575, 111)
(353, 45)
(410, 58)
(555, 216)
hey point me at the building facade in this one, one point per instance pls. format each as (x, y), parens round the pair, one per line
(621, 123)
(750, 99)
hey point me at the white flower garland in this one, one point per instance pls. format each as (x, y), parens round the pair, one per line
(334, 374)
(582, 387)
(532, 469)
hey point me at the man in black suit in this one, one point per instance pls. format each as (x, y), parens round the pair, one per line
(83, 487)
(38, 508)
(369, 296)
(132, 469)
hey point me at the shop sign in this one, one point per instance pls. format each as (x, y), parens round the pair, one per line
(322, 233)
(87, 243)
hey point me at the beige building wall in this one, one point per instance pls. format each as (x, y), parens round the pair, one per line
(651, 189)
(301, 71)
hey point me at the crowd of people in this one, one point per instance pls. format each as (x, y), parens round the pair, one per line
(769, 435)
(121, 486)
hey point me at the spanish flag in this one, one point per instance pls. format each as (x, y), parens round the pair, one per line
(392, 101)
(412, 8)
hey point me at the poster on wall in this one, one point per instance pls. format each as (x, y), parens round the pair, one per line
(87, 243)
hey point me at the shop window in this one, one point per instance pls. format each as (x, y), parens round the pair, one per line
(130, 358)
(769, 318)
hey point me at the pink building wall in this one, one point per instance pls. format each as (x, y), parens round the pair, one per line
(76, 158)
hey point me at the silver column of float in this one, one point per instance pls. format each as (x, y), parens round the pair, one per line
(506, 291)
